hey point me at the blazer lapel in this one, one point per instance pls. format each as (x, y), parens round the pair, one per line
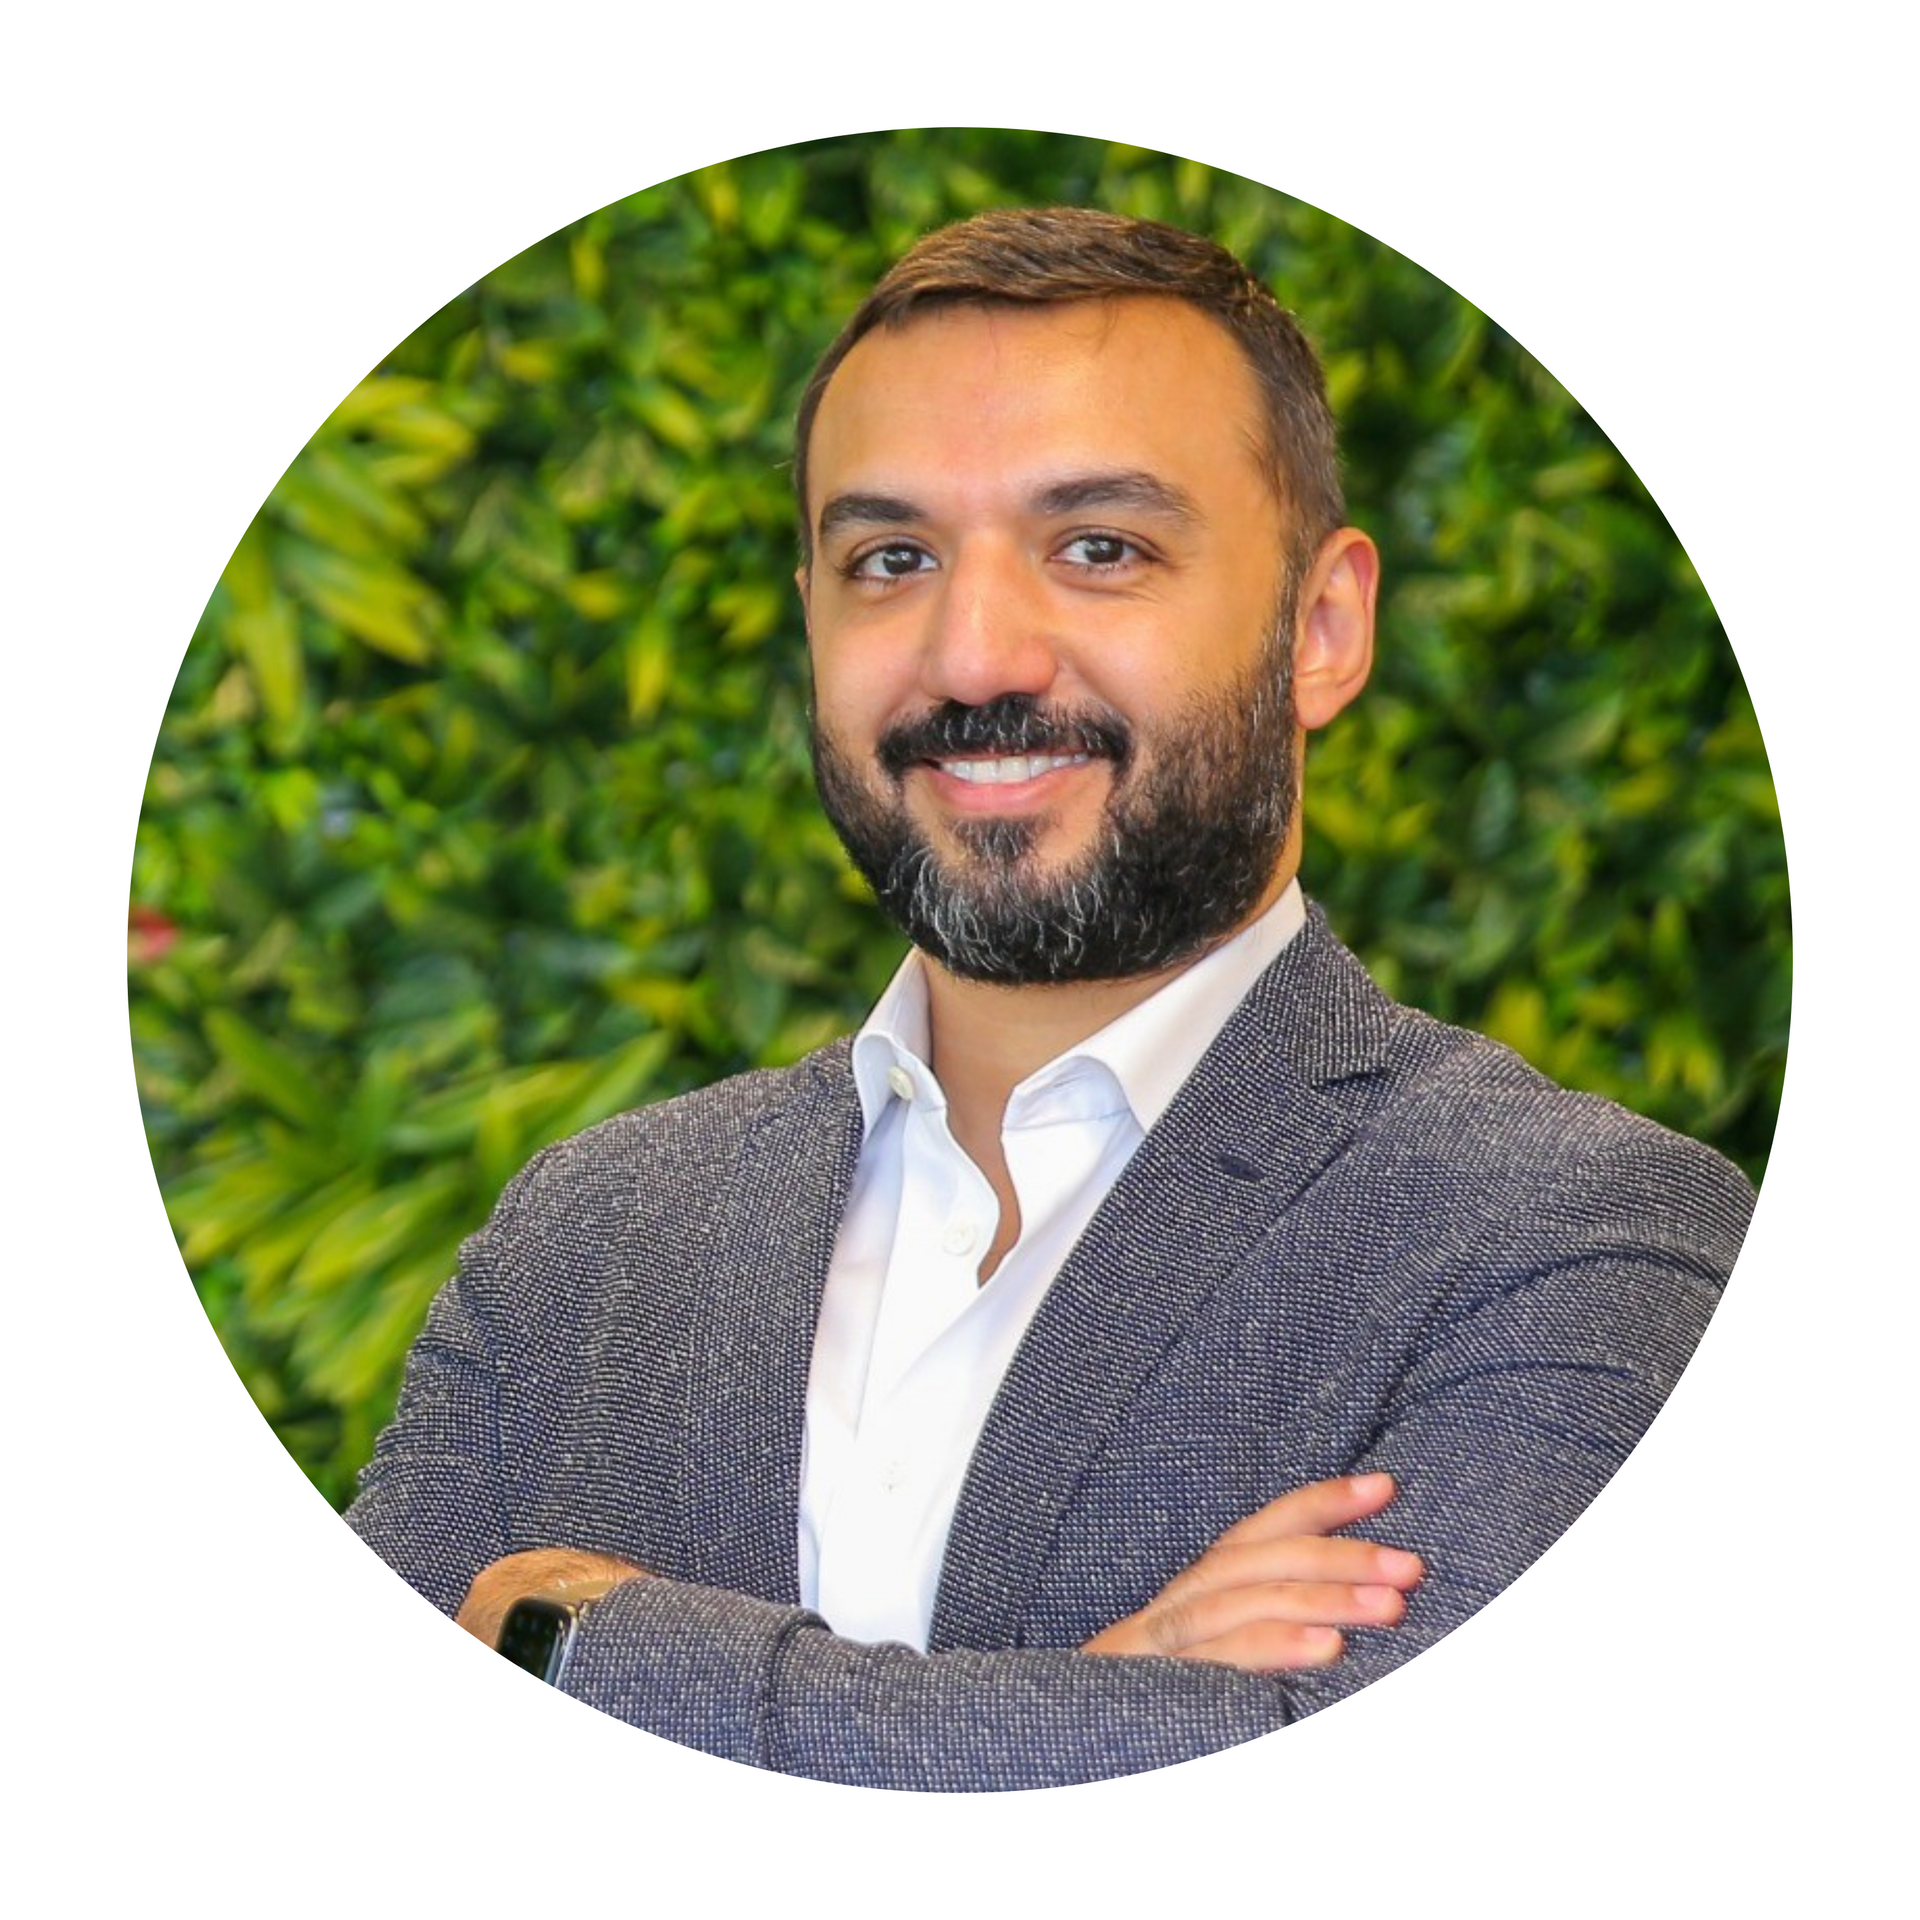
(1261, 1115)
(753, 1334)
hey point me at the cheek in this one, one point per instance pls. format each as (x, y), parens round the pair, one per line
(860, 690)
(849, 719)
(1143, 684)
(835, 684)
(1221, 645)
(841, 712)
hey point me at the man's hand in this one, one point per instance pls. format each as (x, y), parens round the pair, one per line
(1271, 1592)
(545, 1573)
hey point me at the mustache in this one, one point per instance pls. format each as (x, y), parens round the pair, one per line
(1013, 723)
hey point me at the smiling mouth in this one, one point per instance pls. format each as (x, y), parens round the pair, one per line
(1007, 742)
(1007, 770)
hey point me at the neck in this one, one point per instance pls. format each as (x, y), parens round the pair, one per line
(986, 1038)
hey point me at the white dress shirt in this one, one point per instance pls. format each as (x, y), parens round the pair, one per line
(911, 1347)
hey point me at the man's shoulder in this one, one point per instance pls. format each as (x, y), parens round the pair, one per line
(1450, 1107)
(1469, 1098)
(687, 1143)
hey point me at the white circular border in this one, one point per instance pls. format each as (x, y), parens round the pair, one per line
(373, 281)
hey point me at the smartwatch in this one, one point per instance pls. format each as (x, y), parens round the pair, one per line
(539, 1633)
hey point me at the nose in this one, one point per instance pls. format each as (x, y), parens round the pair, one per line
(988, 632)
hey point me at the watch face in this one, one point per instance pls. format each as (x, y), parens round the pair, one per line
(535, 1634)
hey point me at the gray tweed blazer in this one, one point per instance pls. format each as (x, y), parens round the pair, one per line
(1356, 1239)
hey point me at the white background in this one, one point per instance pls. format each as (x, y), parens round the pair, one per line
(1769, 1652)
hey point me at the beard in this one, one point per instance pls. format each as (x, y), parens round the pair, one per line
(1196, 819)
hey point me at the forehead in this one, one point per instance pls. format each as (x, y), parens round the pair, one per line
(972, 396)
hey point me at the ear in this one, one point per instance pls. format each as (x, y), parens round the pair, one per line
(1333, 644)
(802, 580)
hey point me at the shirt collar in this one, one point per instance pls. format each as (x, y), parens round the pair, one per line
(896, 1039)
(1149, 1051)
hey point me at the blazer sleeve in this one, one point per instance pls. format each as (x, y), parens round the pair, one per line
(770, 1685)
(1535, 1374)
(432, 1500)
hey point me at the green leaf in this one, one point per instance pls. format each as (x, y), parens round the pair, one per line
(268, 1070)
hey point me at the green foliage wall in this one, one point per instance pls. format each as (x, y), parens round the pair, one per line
(481, 807)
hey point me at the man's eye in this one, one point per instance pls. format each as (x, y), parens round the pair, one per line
(888, 563)
(1100, 552)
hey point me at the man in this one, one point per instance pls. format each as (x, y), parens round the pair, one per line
(992, 1400)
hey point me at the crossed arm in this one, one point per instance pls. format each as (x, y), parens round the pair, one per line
(1277, 1617)
(1270, 1595)
(1195, 1670)
(1497, 1422)
(1181, 1677)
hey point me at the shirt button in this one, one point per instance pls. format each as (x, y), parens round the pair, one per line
(961, 1236)
(901, 1081)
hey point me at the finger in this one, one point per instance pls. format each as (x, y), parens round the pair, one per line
(1262, 1562)
(1260, 1643)
(1271, 1646)
(1179, 1627)
(1177, 1624)
(1319, 1507)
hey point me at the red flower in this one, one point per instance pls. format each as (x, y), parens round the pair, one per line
(150, 936)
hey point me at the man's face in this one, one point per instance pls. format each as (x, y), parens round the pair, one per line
(1050, 625)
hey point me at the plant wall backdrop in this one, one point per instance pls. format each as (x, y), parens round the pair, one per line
(481, 807)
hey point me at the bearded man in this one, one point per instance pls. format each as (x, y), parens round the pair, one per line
(1142, 1332)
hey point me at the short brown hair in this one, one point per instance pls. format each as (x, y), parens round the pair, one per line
(1044, 256)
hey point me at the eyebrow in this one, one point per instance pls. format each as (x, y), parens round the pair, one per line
(867, 510)
(1131, 487)
(1118, 487)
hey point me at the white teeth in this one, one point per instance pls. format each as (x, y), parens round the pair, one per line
(1013, 767)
